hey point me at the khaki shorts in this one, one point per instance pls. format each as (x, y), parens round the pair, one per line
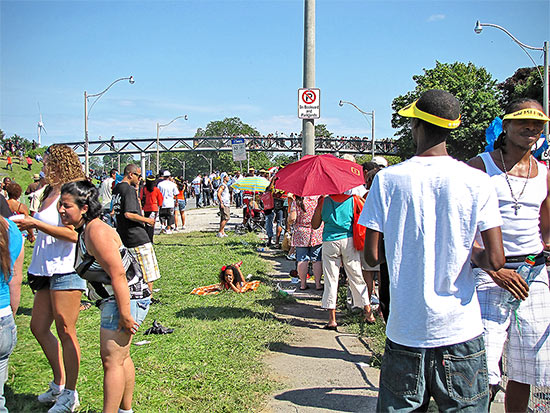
(225, 213)
(147, 260)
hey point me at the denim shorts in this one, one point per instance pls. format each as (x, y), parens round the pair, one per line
(110, 315)
(8, 338)
(182, 203)
(455, 376)
(309, 253)
(59, 282)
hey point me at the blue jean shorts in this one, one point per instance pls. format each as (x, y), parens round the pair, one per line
(309, 253)
(455, 376)
(110, 315)
(182, 203)
(59, 282)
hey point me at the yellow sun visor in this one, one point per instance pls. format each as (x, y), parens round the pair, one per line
(528, 113)
(411, 111)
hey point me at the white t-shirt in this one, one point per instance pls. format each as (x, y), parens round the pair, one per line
(225, 196)
(429, 210)
(196, 184)
(169, 190)
(106, 192)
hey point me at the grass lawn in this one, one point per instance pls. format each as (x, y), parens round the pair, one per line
(212, 361)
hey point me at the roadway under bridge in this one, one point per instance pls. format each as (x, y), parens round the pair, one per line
(143, 146)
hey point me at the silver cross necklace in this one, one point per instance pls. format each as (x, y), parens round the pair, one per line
(516, 205)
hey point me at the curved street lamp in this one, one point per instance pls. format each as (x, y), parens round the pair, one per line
(365, 114)
(87, 113)
(159, 126)
(544, 77)
(209, 161)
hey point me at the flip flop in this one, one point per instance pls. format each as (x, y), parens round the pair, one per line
(306, 288)
(331, 328)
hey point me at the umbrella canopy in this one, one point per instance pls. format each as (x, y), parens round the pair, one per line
(319, 175)
(252, 184)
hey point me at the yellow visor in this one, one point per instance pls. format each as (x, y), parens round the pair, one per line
(411, 111)
(528, 113)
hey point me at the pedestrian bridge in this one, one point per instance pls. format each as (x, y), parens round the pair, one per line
(136, 146)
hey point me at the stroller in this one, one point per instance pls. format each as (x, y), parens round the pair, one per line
(253, 215)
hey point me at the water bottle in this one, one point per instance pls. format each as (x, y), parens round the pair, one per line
(526, 272)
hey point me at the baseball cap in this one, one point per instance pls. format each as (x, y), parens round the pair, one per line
(166, 173)
(36, 177)
(412, 111)
(380, 161)
(527, 113)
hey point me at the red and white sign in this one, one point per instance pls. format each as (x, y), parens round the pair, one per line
(309, 103)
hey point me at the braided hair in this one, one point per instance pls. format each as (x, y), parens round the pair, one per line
(512, 107)
(84, 193)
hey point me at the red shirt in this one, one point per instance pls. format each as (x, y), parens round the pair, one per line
(152, 199)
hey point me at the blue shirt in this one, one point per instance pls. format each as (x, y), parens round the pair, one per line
(15, 245)
(338, 219)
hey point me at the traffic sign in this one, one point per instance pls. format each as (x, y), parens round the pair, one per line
(309, 103)
(239, 149)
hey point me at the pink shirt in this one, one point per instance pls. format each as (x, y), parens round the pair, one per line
(304, 235)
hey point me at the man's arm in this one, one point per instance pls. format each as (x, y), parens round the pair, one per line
(374, 247)
(545, 216)
(317, 215)
(132, 216)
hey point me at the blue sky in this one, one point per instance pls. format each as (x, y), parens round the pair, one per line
(217, 59)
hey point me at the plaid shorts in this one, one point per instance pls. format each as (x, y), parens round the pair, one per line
(146, 258)
(528, 349)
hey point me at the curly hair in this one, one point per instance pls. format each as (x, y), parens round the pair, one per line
(14, 190)
(63, 165)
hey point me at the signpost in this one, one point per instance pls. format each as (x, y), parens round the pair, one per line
(239, 149)
(309, 103)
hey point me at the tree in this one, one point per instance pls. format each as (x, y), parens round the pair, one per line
(227, 127)
(321, 131)
(479, 97)
(525, 83)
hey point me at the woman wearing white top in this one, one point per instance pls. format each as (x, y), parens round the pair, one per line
(52, 277)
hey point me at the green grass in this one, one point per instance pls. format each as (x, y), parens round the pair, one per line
(212, 361)
(22, 176)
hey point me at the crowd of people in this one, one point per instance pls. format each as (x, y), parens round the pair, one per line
(442, 238)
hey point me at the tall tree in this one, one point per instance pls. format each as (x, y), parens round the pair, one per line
(227, 127)
(525, 83)
(321, 131)
(478, 94)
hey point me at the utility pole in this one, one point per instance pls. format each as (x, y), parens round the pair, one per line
(308, 125)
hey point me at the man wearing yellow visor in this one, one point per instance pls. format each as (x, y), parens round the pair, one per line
(428, 210)
(522, 185)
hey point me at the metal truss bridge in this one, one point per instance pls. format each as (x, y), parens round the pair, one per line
(142, 146)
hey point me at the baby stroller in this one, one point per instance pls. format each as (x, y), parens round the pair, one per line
(253, 216)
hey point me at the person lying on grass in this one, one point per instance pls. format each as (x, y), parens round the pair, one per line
(231, 277)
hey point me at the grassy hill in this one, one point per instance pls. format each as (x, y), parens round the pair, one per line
(20, 173)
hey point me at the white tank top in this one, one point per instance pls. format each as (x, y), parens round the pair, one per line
(520, 233)
(51, 255)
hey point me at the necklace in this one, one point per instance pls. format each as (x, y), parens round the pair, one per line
(516, 205)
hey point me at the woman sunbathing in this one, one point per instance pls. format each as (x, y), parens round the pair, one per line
(232, 278)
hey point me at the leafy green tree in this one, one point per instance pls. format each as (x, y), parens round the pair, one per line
(227, 127)
(321, 131)
(284, 159)
(524, 83)
(478, 94)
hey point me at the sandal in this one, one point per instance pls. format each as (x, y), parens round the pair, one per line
(331, 328)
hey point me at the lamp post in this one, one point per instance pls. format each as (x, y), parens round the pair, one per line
(182, 166)
(365, 114)
(544, 77)
(209, 161)
(159, 126)
(87, 113)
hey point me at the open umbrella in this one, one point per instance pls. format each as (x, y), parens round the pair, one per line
(319, 175)
(252, 184)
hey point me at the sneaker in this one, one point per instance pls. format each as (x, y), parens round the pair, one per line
(219, 235)
(66, 402)
(49, 396)
(168, 231)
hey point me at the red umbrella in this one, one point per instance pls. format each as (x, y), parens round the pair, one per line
(319, 175)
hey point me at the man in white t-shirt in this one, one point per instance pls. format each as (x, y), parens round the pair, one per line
(169, 191)
(428, 210)
(196, 184)
(106, 194)
(224, 200)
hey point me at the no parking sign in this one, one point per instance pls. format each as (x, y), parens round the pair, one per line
(309, 103)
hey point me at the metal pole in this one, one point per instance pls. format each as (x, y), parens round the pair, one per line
(373, 141)
(143, 164)
(183, 170)
(158, 152)
(118, 162)
(308, 125)
(86, 155)
(545, 90)
(210, 161)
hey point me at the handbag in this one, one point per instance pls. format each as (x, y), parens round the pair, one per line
(267, 199)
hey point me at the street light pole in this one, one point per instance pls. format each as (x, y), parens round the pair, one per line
(182, 166)
(158, 135)
(545, 91)
(209, 161)
(87, 113)
(341, 103)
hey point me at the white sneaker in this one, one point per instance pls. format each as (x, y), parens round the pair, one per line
(49, 396)
(66, 402)
(219, 235)
(168, 231)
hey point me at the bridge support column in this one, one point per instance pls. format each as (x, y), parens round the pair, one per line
(142, 159)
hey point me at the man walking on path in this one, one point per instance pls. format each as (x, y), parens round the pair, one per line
(225, 203)
(427, 210)
(169, 191)
(130, 224)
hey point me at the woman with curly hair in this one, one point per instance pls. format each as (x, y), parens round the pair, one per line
(56, 285)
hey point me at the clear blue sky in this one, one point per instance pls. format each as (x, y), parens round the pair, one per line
(217, 59)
